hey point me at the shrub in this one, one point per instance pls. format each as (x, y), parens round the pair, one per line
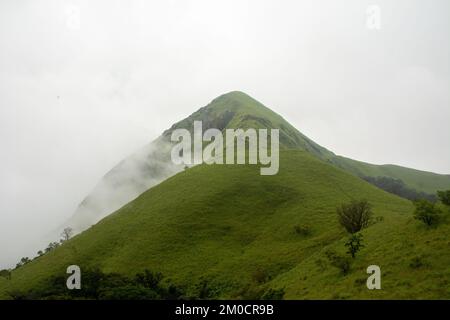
(444, 196)
(427, 212)
(260, 276)
(204, 290)
(338, 261)
(303, 230)
(23, 262)
(354, 244)
(378, 219)
(109, 286)
(5, 274)
(355, 215)
(417, 262)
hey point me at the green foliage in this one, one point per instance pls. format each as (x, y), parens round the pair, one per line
(354, 244)
(5, 273)
(204, 290)
(420, 181)
(427, 212)
(51, 246)
(399, 188)
(338, 261)
(97, 285)
(444, 196)
(23, 261)
(417, 262)
(303, 230)
(355, 216)
(260, 276)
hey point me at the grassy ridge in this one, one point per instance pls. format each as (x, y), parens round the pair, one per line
(428, 182)
(226, 224)
(238, 110)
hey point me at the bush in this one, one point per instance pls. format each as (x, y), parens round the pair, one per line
(355, 215)
(260, 276)
(5, 274)
(427, 212)
(354, 244)
(417, 262)
(444, 196)
(303, 230)
(338, 261)
(97, 285)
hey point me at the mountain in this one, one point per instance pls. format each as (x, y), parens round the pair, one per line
(225, 231)
(152, 164)
(234, 229)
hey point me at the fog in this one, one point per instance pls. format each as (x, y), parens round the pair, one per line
(84, 84)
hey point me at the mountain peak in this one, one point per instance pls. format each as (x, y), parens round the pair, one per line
(235, 101)
(237, 95)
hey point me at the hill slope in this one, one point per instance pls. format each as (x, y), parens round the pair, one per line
(226, 224)
(152, 164)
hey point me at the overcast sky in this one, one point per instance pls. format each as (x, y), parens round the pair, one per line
(85, 83)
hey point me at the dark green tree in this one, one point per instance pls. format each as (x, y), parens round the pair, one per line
(444, 196)
(51, 246)
(354, 244)
(427, 212)
(5, 274)
(355, 216)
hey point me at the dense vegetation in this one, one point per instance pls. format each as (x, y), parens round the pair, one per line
(399, 188)
(98, 285)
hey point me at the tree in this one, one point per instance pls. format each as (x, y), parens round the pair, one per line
(23, 262)
(51, 246)
(66, 234)
(444, 196)
(354, 244)
(5, 274)
(427, 212)
(355, 215)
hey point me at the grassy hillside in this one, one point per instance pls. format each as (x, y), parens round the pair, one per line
(152, 164)
(235, 229)
(428, 182)
(238, 110)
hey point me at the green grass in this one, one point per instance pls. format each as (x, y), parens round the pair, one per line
(238, 110)
(227, 223)
(427, 182)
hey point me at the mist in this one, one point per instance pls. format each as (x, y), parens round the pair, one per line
(84, 84)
